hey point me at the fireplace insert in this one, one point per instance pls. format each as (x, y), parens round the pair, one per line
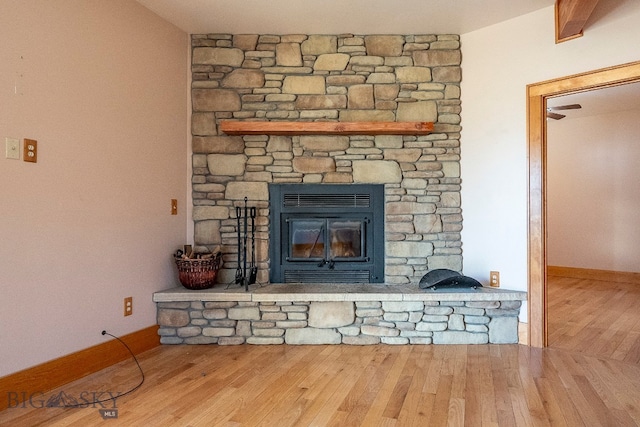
(326, 233)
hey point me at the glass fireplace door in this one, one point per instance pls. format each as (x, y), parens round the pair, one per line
(307, 239)
(345, 239)
(325, 240)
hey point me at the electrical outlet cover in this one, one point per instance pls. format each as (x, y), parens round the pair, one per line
(30, 150)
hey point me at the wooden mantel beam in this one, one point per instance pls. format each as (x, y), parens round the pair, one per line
(571, 17)
(232, 127)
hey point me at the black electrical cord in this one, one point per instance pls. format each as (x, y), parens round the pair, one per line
(95, 401)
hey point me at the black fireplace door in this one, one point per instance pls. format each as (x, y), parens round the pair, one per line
(327, 233)
(331, 249)
(323, 241)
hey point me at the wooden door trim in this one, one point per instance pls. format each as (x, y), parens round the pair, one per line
(537, 95)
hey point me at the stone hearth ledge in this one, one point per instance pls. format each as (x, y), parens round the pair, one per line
(335, 292)
(353, 314)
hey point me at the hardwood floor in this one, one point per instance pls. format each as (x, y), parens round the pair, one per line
(589, 377)
(595, 317)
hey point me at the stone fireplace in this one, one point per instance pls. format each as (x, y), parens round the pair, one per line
(345, 78)
(338, 78)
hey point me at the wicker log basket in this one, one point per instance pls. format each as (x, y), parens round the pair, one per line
(196, 274)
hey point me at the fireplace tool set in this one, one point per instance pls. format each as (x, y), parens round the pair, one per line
(247, 271)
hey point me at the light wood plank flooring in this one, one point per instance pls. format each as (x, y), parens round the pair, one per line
(595, 317)
(589, 383)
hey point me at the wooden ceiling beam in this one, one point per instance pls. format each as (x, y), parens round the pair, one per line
(571, 17)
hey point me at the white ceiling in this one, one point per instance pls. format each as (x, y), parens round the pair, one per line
(339, 16)
(600, 101)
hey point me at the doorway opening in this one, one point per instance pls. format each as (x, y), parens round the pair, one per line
(537, 95)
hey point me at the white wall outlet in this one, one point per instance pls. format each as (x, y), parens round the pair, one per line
(128, 306)
(494, 279)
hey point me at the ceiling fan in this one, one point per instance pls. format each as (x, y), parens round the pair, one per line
(557, 116)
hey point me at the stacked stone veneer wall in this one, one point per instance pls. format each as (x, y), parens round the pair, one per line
(335, 78)
(344, 322)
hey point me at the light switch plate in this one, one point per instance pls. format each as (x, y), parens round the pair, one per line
(12, 148)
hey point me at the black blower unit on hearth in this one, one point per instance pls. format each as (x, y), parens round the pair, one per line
(443, 279)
